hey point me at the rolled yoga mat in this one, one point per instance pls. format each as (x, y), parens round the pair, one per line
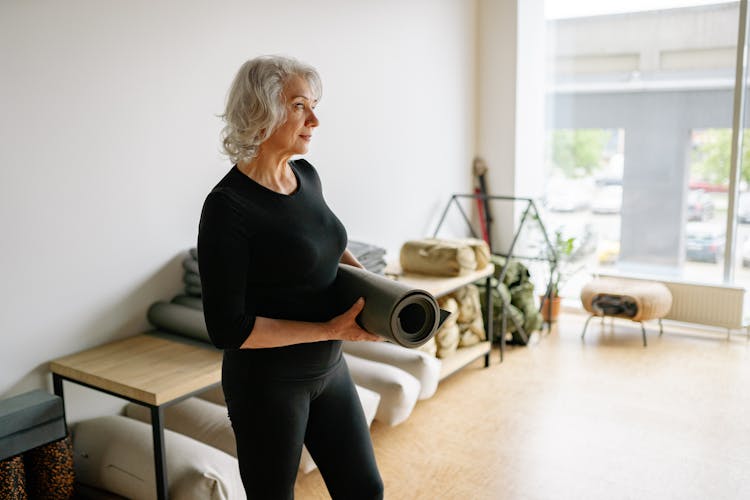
(179, 319)
(407, 316)
(189, 301)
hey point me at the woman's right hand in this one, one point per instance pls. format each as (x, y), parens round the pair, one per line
(345, 327)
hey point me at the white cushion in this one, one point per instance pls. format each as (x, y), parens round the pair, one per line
(209, 423)
(419, 364)
(196, 418)
(215, 395)
(115, 453)
(398, 390)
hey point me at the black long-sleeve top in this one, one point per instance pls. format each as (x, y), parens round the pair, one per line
(263, 253)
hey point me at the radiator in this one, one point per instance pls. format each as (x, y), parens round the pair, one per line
(712, 305)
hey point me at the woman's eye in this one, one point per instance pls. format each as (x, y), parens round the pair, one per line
(299, 105)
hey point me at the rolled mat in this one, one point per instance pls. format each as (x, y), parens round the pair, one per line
(179, 319)
(189, 301)
(394, 311)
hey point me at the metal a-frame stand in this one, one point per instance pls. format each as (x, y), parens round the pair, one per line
(552, 257)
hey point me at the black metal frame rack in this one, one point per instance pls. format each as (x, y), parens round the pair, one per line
(552, 257)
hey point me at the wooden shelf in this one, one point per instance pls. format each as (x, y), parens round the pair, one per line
(437, 285)
(462, 357)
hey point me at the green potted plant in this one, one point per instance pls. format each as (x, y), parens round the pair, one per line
(561, 271)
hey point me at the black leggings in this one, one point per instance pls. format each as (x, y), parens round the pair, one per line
(271, 419)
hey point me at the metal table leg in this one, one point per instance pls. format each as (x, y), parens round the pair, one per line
(488, 321)
(160, 459)
(57, 387)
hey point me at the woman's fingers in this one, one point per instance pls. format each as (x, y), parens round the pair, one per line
(357, 307)
(345, 327)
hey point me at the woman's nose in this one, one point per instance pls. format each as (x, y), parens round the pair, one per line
(312, 120)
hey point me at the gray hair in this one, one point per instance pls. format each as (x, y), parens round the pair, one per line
(254, 105)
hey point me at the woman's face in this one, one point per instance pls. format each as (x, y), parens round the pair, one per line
(294, 135)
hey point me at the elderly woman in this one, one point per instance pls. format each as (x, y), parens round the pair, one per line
(268, 250)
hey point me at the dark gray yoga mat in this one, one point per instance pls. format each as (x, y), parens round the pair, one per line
(190, 264)
(187, 300)
(191, 279)
(179, 319)
(407, 316)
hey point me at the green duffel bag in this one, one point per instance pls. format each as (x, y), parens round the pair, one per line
(515, 275)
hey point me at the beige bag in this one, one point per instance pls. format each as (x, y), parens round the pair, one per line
(447, 337)
(472, 333)
(437, 257)
(469, 306)
(481, 251)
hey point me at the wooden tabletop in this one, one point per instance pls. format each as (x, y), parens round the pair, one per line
(146, 368)
(437, 285)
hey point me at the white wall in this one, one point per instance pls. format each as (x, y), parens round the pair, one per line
(109, 144)
(510, 114)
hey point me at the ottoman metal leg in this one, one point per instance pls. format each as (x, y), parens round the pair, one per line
(586, 326)
(643, 331)
(661, 328)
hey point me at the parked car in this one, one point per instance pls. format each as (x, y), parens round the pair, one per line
(608, 252)
(704, 243)
(709, 187)
(607, 200)
(746, 253)
(700, 206)
(743, 208)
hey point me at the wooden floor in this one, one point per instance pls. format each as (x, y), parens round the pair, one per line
(604, 419)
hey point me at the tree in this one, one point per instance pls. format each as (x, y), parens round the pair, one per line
(578, 153)
(711, 156)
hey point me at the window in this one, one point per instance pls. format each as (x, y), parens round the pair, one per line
(639, 136)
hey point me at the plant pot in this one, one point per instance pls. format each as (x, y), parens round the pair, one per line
(546, 316)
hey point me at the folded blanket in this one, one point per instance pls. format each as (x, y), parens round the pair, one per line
(193, 253)
(191, 279)
(193, 290)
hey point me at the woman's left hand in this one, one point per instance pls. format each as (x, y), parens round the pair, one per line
(345, 327)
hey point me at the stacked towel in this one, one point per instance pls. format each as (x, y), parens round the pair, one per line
(370, 256)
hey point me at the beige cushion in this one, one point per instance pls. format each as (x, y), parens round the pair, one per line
(469, 306)
(215, 395)
(481, 251)
(429, 347)
(437, 257)
(199, 419)
(398, 390)
(472, 333)
(449, 304)
(115, 453)
(447, 339)
(209, 423)
(422, 366)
